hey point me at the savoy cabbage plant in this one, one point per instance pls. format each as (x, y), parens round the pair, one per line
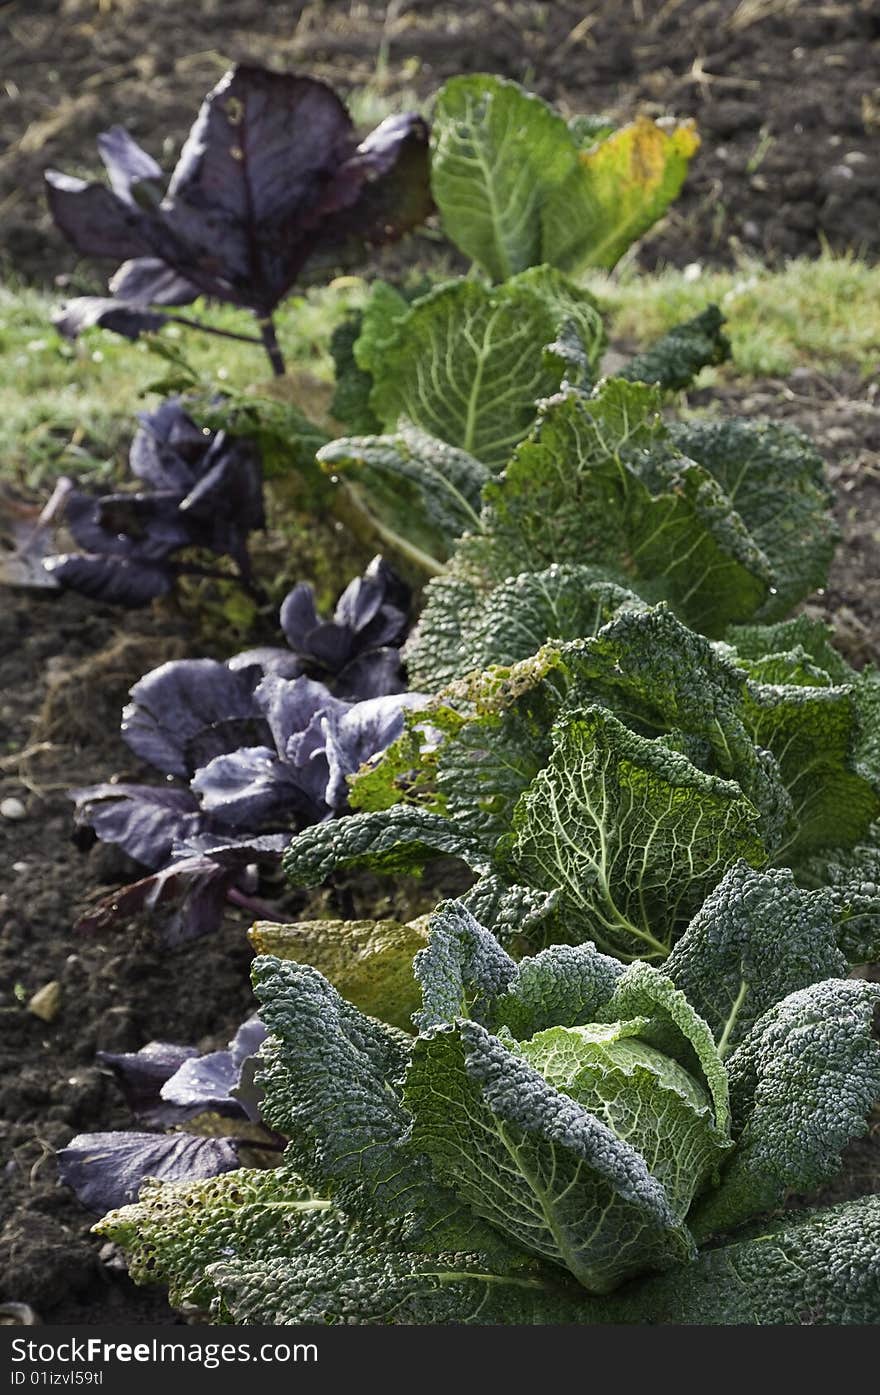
(728, 520)
(443, 387)
(564, 1140)
(611, 781)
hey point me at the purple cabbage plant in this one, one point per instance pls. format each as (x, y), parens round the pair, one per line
(203, 492)
(271, 180)
(251, 751)
(168, 1087)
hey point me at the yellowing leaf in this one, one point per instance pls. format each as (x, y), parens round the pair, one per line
(620, 188)
(368, 961)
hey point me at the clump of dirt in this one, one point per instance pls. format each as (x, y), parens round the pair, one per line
(785, 92)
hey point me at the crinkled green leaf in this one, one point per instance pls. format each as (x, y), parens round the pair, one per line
(176, 1229)
(866, 690)
(814, 733)
(512, 912)
(483, 769)
(534, 1163)
(632, 833)
(416, 489)
(563, 985)
(852, 878)
(511, 622)
(673, 1026)
(467, 363)
(330, 1078)
(564, 494)
(435, 650)
(599, 483)
(371, 1275)
(799, 653)
(461, 970)
(659, 675)
(400, 839)
(646, 1098)
(378, 331)
(776, 481)
(814, 637)
(351, 400)
(464, 972)
(801, 1085)
(673, 361)
(808, 1268)
(757, 938)
(685, 529)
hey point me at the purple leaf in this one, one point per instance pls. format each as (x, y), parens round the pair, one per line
(386, 175)
(207, 492)
(374, 674)
(95, 220)
(397, 593)
(290, 704)
(167, 448)
(235, 851)
(306, 754)
(148, 281)
(250, 174)
(126, 164)
(267, 659)
(107, 1170)
(208, 1081)
(145, 526)
(269, 176)
(229, 492)
(145, 820)
(204, 1083)
(187, 899)
(187, 711)
(141, 1075)
(122, 317)
(299, 616)
(125, 581)
(371, 614)
(248, 788)
(359, 603)
(247, 1040)
(329, 645)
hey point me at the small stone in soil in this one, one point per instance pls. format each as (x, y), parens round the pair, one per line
(13, 809)
(46, 1002)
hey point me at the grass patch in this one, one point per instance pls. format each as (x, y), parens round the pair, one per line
(822, 314)
(68, 407)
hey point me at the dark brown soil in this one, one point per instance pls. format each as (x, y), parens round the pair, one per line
(786, 94)
(116, 993)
